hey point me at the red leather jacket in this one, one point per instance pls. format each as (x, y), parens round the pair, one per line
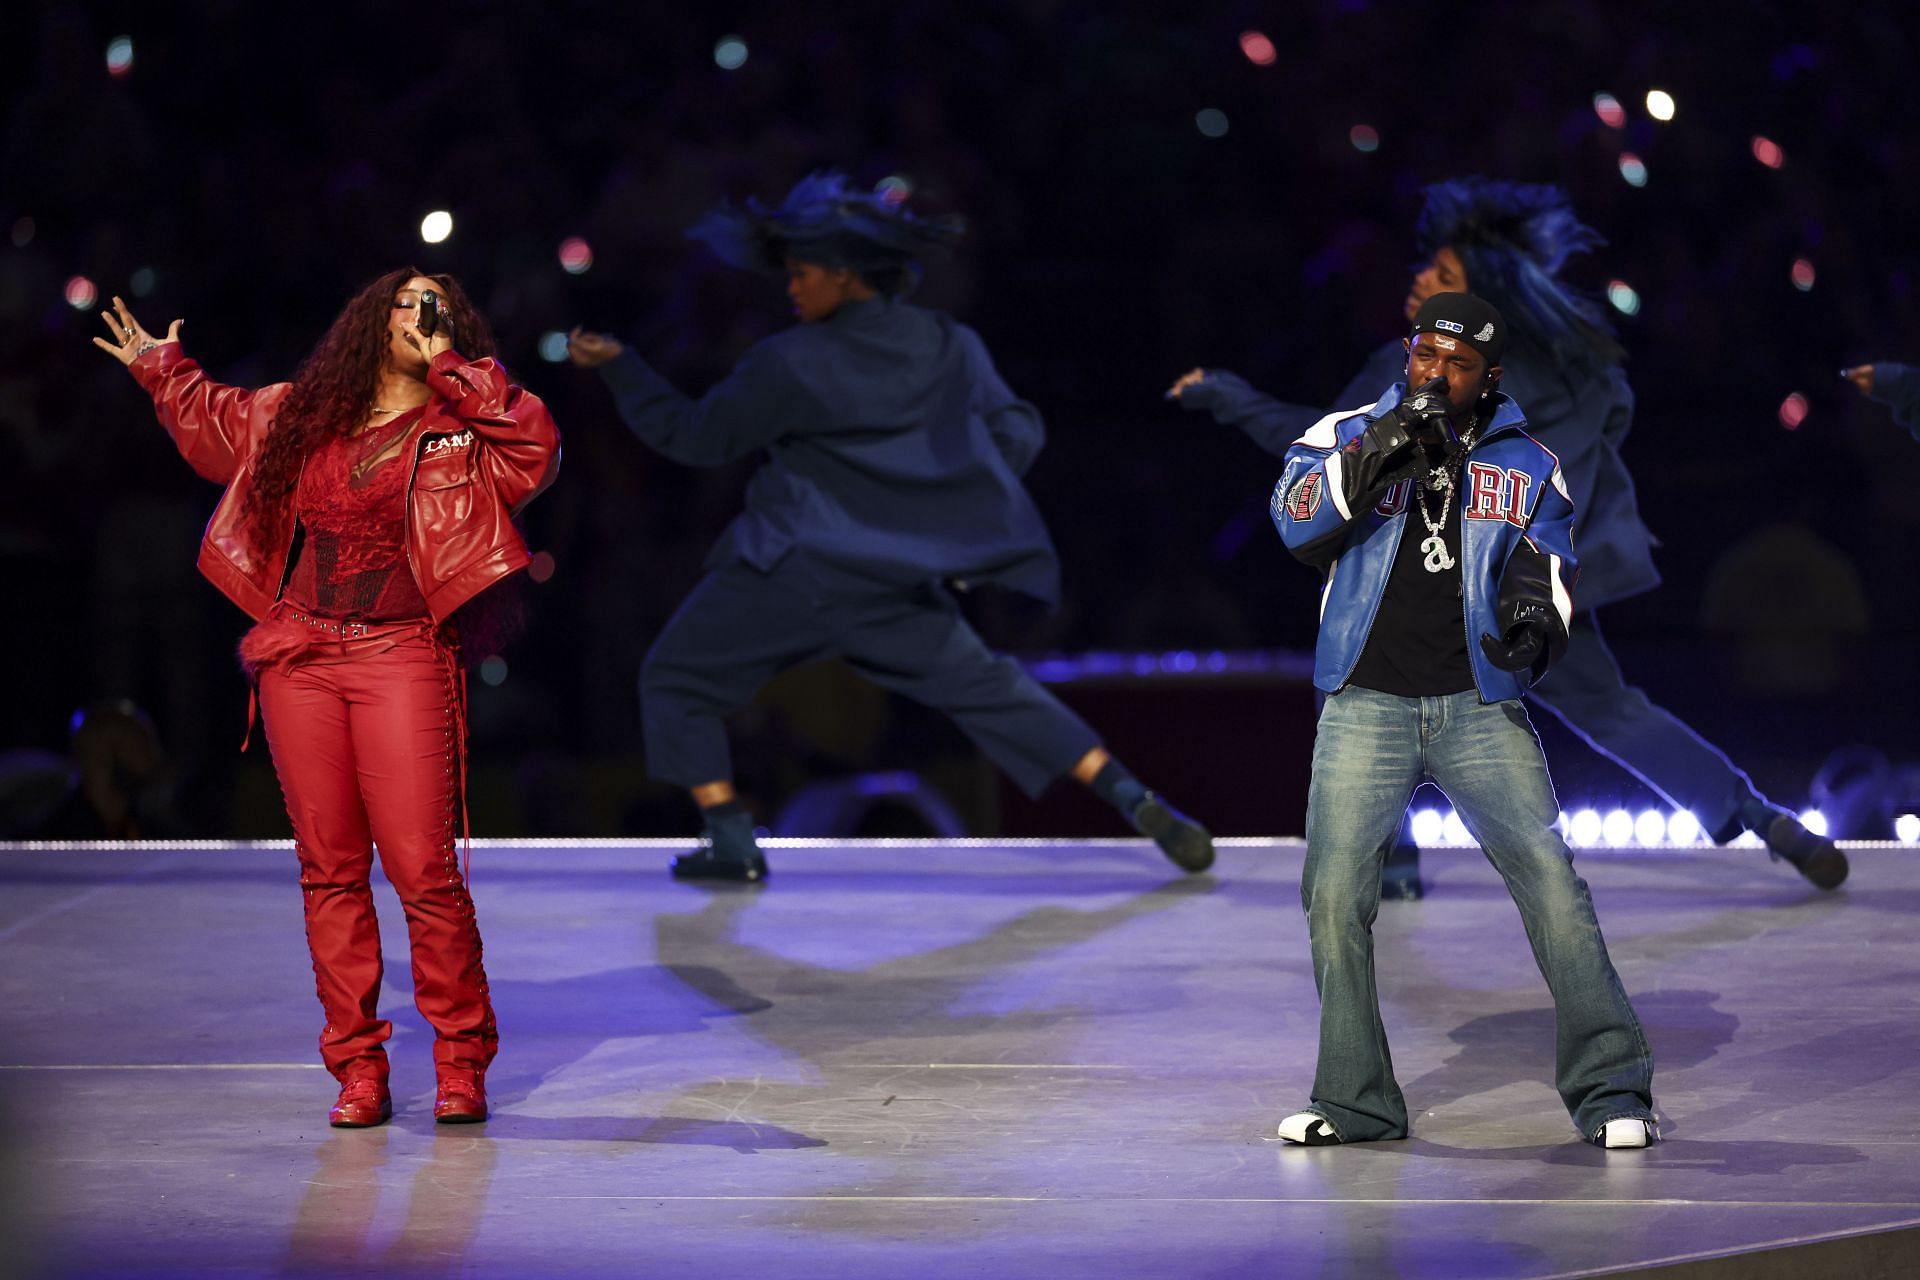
(481, 451)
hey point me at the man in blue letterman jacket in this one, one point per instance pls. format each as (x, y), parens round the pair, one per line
(1444, 530)
(1508, 242)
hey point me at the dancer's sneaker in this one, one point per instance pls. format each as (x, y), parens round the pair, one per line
(1303, 1128)
(460, 1099)
(364, 1102)
(1813, 856)
(731, 853)
(1185, 842)
(1624, 1135)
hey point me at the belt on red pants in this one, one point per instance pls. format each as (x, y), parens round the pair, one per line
(347, 631)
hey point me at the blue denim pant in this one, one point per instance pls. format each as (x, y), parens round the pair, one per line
(740, 627)
(1371, 750)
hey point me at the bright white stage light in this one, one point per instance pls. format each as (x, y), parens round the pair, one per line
(1906, 828)
(1617, 829)
(1650, 827)
(1660, 105)
(1427, 827)
(1814, 821)
(1583, 828)
(436, 226)
(1683, 827)
(1455, 830)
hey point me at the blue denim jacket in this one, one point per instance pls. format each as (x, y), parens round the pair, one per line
(893, 449)
(1516, 537)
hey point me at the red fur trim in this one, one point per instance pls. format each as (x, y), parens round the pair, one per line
(272, 643)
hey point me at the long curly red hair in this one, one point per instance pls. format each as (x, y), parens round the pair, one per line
(334, 387)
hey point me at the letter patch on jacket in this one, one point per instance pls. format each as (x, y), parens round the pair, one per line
(1493, 494)
(441, 443)
(1305, 498)
(1394, 501)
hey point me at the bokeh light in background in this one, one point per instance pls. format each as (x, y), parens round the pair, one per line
(436, 226)
(1767, 152)
(493, 670)
(576, 256)
(81, 293)
(1660, 105)
(553, 346)
(1623, 297)
(1617, 827)
(1611, 113)
(1793, 411)
(1259, 50)
(23, 230)
(1364, 137)
(894, 188)
(1814, 821)
(1650, 827)
(1802, 275)
(142, 282)
(541, 567)
(1906, 828)
(1633, 169)
(119, 55)
(730, 53)
(1683, 827)
(1454, 831)
(1211, 121)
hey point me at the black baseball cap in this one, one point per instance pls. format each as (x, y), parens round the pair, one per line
(1465, 316)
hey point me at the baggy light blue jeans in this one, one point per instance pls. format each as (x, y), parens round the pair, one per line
(1371, 750)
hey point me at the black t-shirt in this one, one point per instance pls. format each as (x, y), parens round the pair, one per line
(1418, 645)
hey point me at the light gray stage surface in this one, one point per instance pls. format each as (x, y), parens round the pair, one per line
(931, 1060)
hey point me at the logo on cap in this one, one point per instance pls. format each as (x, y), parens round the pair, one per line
(1451, 326)
(1486, 332)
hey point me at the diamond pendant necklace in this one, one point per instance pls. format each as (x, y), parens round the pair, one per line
(1442, 477)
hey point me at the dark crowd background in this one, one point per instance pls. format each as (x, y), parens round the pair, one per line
(253, 165)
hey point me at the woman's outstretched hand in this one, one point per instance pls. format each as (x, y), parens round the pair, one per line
(588, 350)
(1185, 380)
(130, 340)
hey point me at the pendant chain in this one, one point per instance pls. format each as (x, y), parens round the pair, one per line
(1445, 478)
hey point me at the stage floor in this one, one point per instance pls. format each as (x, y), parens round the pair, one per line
(925, 1059)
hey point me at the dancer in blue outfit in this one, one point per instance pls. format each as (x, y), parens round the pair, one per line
(1895, 385)
(894, 457)
(1508, 243)
(1426, 645)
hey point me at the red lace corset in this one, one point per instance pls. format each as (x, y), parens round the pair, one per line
(352, 505)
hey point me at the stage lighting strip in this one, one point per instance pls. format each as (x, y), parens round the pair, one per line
(808, 842)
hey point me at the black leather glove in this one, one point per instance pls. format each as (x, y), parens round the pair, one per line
(1524, 641)
(1425, 412)
(1386, 449)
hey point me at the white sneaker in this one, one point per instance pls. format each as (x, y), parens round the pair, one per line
(1617, 1135)
(1308, 1130)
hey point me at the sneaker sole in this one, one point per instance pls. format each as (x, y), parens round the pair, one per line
(711, 869)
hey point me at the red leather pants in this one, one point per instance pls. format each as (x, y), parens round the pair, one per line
(365, 738)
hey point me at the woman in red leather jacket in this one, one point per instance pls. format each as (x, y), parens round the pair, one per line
(366, 501)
